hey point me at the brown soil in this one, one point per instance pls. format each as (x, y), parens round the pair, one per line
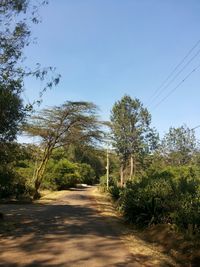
(70, 229)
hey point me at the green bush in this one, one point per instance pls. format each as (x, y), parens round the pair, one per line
(115, 191)
(68, 180)
(62, 174)
(112, 181)
(50, 176)
(144, 205)
(103, 183)
(87, 174)
(12, 185)
(66, 174)
(188, 213)
(171, 195)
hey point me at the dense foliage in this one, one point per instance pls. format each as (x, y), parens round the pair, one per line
(166, 187)
(62, 171)
(16, 19)
(15, 171)
(169, 196)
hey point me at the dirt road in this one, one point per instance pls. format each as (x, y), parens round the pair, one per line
(67, 231)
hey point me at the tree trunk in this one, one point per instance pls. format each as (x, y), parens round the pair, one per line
(107, 170)
(122, 175)
(40, 172)
(131, 167)
(1, 216)
(134, 167)
(36, 193)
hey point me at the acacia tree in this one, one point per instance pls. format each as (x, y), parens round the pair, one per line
(130, 125)
(72, 122)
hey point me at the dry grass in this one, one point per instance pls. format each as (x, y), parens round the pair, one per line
(48, 196)
(158, 243)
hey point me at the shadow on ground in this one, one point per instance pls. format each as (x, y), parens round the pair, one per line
(61, 234)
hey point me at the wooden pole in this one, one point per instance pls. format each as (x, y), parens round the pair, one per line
(131, 170)
(122, 175)
(107, 170)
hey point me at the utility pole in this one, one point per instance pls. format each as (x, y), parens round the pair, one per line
(107, 169)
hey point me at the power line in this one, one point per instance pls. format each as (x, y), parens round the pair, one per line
(198, 126)
(176, 87)
(171, 73)
(174, 70)
(26, 97)
(174, 78)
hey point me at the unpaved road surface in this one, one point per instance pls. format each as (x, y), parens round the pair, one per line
(67, 231)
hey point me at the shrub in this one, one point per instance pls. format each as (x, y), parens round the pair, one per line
(66, 174)
(171, 195)
(112, 181)
(115, 191)
(12, 185)
(68, 180)
(87, 174)
(103, 183)
(62, 174)
(188, 213)
(142, 206)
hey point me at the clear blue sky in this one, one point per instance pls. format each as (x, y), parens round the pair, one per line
(107, 48)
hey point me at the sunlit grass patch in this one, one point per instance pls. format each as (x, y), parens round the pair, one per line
(48, 196)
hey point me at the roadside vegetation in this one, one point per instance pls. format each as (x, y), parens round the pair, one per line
(159, 178)
(67, 153)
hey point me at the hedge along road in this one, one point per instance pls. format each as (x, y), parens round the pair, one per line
(67, 230)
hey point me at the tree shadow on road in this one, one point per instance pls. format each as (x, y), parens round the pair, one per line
(63, 235)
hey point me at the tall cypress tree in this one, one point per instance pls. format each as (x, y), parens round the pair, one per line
(130, 124)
